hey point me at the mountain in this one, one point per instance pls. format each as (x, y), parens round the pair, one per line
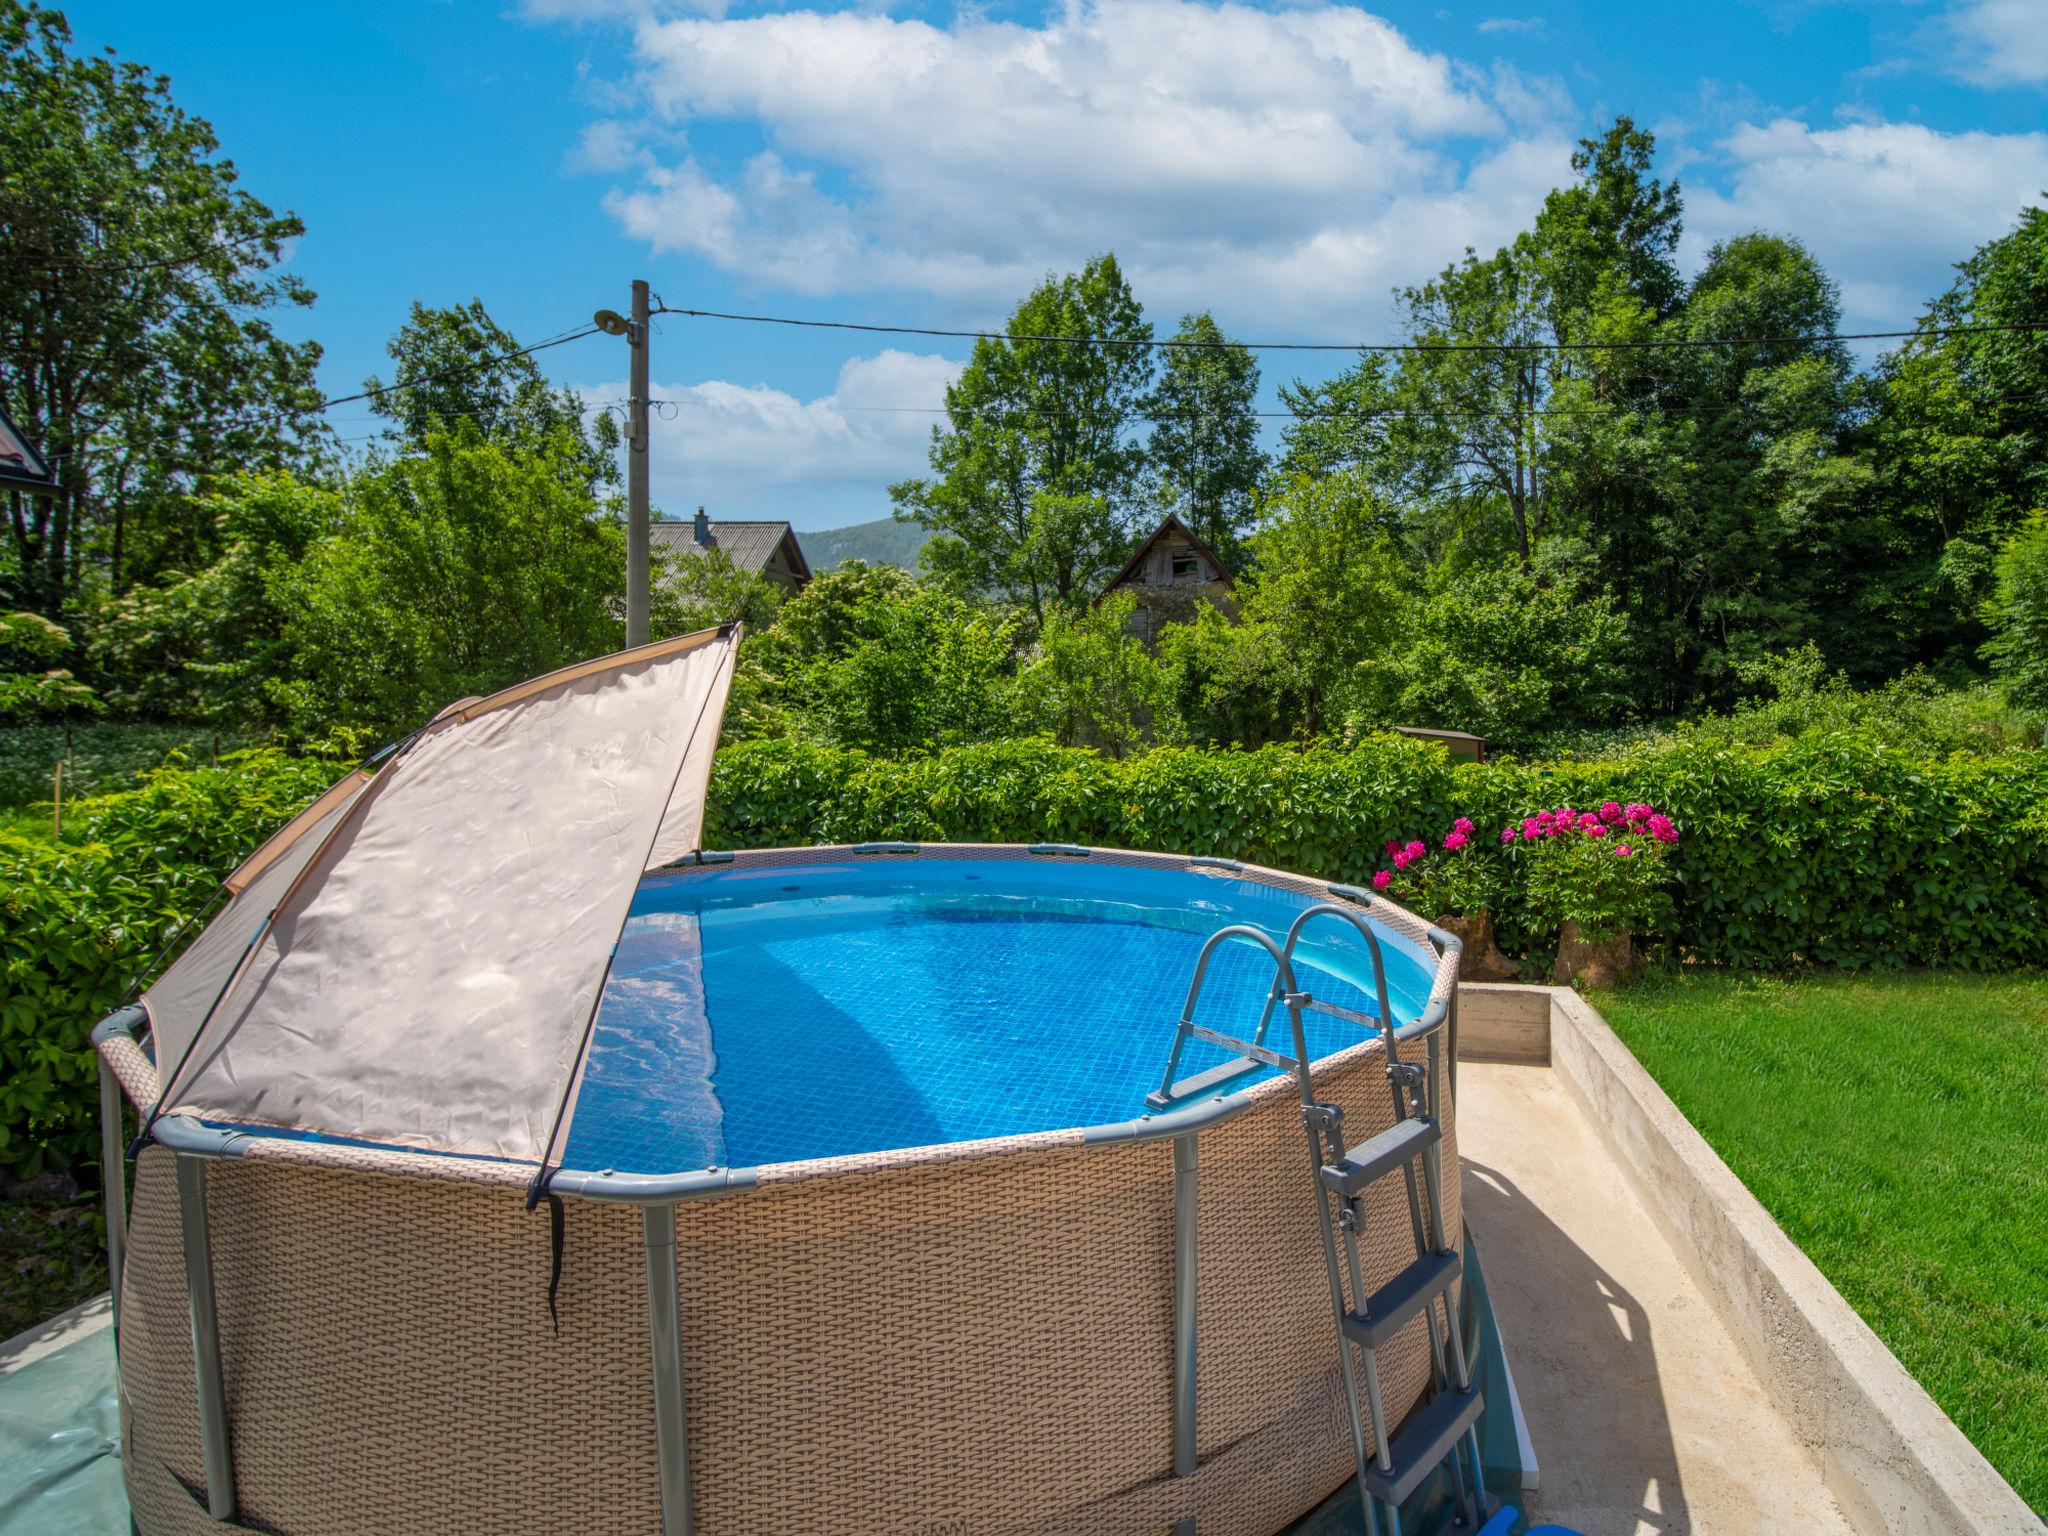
(882, 542)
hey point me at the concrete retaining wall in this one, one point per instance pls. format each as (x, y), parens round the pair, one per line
(1897, 1463)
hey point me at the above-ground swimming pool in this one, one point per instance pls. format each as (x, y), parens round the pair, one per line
(912, 1253)
(778, 1014)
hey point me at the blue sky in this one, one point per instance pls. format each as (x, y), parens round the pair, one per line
(1285, 166)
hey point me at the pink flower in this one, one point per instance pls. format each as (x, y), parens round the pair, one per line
(1590, 823)
(1611, 812)
(1507, 834)
(1661, 828)
(1455, 841)
(1462, 824)
(1622, 850)
(1392, 847)
(1415, 850)
(1598, 829)
(1636, 811)
(1383, 879)
(1402, 860)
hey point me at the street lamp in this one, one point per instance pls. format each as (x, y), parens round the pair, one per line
(612, 323)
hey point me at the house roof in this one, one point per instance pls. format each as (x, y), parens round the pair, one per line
(1170, 523)
(749, 544)
(20, 464)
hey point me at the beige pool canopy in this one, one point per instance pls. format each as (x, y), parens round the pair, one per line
(488, 865)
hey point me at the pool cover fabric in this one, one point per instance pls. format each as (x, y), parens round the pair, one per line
(437, 938)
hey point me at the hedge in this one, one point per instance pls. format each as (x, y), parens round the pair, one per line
(1825, 851)
(79, 921)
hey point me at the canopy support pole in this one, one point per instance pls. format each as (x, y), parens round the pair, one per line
(215, 1450)
(665, 1335)
(113, 1184)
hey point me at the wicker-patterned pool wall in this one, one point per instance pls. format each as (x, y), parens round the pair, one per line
(1123, 1329)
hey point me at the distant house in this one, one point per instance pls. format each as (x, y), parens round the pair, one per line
(1170, 573)
(21, 467)
(769, 548)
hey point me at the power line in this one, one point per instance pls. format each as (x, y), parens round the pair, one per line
(459, 369)
(1686, 343)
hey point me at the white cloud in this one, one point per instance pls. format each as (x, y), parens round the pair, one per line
(2000, 42)
(1887, 207)
(1291, 165)
(604, 147)
(737, 448)
(1512, 24)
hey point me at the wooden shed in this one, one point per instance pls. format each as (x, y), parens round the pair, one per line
(1171, 572)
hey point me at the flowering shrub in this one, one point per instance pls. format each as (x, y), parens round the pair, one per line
(1603, 870)
(1454, 879)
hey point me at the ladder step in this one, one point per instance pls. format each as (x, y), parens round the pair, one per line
(1402, 1298)
(1370, 1161)
(1202, 1082)
(1423, 1445)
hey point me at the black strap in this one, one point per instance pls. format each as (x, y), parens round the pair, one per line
(557, 1223)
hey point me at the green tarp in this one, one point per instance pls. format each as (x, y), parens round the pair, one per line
(60, 1443)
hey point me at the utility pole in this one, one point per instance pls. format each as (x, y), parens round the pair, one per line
(612, 323)
(636, 475)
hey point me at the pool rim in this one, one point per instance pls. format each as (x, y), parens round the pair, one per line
(184, 1133)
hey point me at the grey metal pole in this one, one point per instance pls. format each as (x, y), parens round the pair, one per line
(214, 1452)
(636, 474)
(1186, 1173)
(113, 1184)
(665, 1335)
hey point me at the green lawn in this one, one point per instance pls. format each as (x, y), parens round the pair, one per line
(1897, 1128)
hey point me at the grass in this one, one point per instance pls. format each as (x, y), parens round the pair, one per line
(1897, 1128)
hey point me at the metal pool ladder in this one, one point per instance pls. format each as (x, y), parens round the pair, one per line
(1443, 1429)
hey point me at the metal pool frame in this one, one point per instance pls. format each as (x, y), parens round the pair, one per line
(195, 1146)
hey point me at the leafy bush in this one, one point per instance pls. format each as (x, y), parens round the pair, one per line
(1798, 697)
(29, 641)
(79, 921)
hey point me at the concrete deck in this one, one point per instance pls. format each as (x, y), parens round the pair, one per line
(1644, 1412)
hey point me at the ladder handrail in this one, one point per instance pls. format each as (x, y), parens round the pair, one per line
(1284, 987)
(1363, 924)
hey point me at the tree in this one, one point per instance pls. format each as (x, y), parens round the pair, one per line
(1616, 219)
(1204, 451)
(2018, 617)
(1092, 683)
(1732, 510)
(1323, 597)
(1503, 654)
(450, 572)
(870, 657)
(1035, 479)
(209, 645)
(1961, 435)
(134, 275)
(456, 365)
(28, 640)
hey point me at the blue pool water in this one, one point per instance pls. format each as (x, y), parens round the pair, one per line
(763, 1015)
